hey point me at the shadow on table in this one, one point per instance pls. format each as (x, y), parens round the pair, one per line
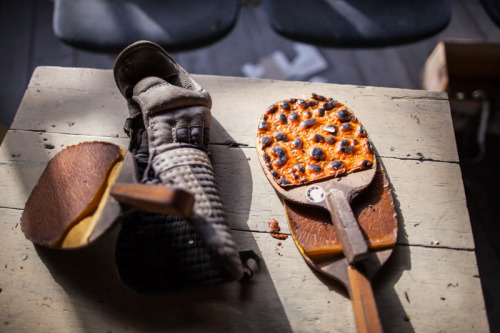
(391, 310)
(102, 302)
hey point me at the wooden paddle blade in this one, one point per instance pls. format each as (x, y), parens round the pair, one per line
(155, 198)
(374, 211)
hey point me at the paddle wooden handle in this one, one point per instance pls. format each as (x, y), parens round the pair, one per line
(353, 243)
(154, 198)
(363, 302)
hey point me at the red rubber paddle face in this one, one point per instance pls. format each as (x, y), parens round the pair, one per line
(305, 140)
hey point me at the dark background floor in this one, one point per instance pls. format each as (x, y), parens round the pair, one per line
(28, 42)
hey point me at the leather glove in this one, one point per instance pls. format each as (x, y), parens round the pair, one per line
(169, 127)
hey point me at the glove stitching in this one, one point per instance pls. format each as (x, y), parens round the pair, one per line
(188, 182)
(150, 89)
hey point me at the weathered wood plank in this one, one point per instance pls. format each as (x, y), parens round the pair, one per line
(433, 288)
(66, 92)
(381, 110)
(58, 109)
(40, 147)
(88, 100)
(268, 303)
(23, 157)
(444, 222)
(251, 201)
(80, 291)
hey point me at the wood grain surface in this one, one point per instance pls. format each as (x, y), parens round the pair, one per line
(430, 283)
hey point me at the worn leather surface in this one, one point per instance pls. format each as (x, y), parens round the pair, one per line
(144, 59)
(171, 118)
(169, 126)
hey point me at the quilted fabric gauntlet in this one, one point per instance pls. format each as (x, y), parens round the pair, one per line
(169, 127)
(178, 132)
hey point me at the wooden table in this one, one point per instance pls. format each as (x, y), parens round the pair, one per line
(430, 284)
